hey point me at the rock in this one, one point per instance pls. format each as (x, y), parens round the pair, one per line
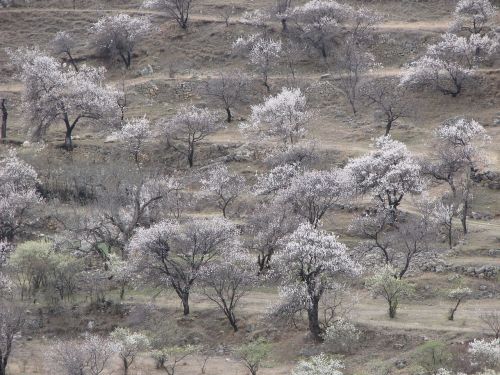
(398, 346)
(324, 76)
(400, 364)
(146, 71)
(483, 287)
(494, 252)
(26, 144)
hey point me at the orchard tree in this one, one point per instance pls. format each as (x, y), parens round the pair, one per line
(90, 356)
(387, 174)
(12, 320)
(5, 282)
(283, 116)
(486, 353)
(281, 9)
(457, 154)
(277, 179)
(319, 23)
(312, 194)
(472, 16)
(188, 127)
(19, 198)
(449, 64)
(492, 321)
(52, 93)
(406, 244)
(389, 98)
(172, 254)
(319, 364)
(458, 295)
(63, 43)
(129, 344)
(351, 62)
(228, 88)
(391, 288)
(227, 281)
(168, 358)
(253, 354)
(263, 52)
(117, 35)
(224, 186)
(136, 133)
(176, 9)
(313, 261)
(267, 227)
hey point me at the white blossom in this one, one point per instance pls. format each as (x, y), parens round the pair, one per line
(283, 116)
(118, 35)
(486, 353)
(319, 365)
(387, 174)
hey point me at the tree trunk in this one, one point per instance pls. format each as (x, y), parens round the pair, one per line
(229, 114)
(68, 141)
(284, 26)
(3, 130)
(72, 61)
(125, 367)
(185, 303)
(388, 127)
(263, 260)
(190, 156)
(453, 310)
(232, 320)
(122, 292)
(463, 219)
(393, 306)
(313, 316)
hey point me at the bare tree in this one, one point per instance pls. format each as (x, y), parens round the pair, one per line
(351, 62)
(228, 88)
(176, 9)
(388, 97)
(492, 321)
(227, 281)
(188, 127)
(282, 8)
(172, 254)
(226, 13)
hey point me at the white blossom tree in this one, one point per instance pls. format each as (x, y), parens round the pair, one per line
(387, 174)
(128, 345)
(188, 127)
(313, 261)
(117, 35)
(449, 64)
(457, 153)
(227, 281)
(229, 88)
(472, 16)
(19, 197)
(52, 93)
(172, 254)
(312, 194)
(136, 133)
(283, 116)
(263, 52)
(224, 186)
(64, 43)
(319, 364)
(75, 357)
(485, 353)
(177, 10)
(320, 22)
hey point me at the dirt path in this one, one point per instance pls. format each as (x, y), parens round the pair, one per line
(432, 26)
